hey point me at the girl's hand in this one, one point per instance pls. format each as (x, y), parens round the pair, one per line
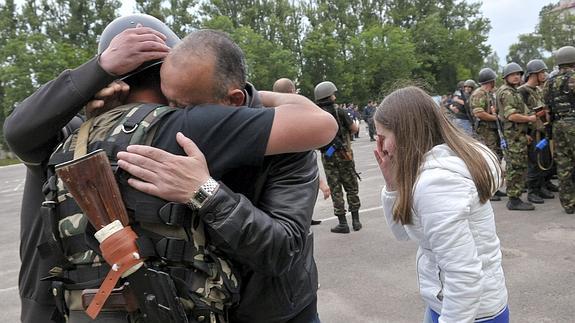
(384, 160)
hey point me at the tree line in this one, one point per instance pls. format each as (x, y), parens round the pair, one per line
(555, 29)
(363, 46)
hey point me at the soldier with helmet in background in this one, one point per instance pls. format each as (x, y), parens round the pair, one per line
(482, 105)
(559, 95)
(516, 118)
(337, 160)
(462, 116)
(539, 161)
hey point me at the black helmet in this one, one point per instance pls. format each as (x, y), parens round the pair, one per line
(324, 90)
(535, 66)
(565, 55)
(486, 75)
(130, 21)
(511, 68)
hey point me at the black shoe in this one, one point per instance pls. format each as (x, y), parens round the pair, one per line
(315, 222)
(545, 193)
(371, 139)
(534, 197)
(495, 198)
(552, 187)
(570, 210)
(500, 194)
(517, 204)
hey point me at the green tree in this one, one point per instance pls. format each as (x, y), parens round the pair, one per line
(526, 49)
(179, 15)
(556, 28)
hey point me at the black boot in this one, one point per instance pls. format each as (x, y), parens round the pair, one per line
(495, 198)
(500, 194)
(517, 204)
(355, 221)
(342, 227)
(534, 197)
(545, 193)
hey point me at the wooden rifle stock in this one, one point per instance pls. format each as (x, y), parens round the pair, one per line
(92, 184)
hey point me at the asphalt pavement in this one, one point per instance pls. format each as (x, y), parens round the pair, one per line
(368, 276)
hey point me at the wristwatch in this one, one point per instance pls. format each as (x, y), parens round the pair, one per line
(203, 193)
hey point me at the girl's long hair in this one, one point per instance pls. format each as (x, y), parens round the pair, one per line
(418, 126)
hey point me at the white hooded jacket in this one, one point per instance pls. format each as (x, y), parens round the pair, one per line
(459, 258)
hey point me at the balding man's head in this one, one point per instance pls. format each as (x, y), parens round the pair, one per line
(284, 85)
(206, 67)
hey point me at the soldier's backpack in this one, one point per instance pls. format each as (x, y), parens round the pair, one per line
(171, 235)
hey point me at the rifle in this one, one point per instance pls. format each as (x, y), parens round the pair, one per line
(92, 184)
(502, 141)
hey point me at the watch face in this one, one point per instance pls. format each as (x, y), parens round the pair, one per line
(203, 193)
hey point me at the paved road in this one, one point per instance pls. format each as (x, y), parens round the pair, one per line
(367, 276)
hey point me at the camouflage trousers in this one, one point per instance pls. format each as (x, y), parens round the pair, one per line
(564, 135)
(516, 158)
(341, 173)
(490, 138)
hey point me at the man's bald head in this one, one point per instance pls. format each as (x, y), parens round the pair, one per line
(204, 68)
(284, 85)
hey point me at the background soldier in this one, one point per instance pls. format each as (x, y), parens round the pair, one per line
(559, 94)
(460, 108)
(539, 161)
(515, 114)
(482, 104)
(368, 112)
(337, 159)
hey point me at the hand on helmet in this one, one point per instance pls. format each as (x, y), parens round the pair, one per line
(132, 47)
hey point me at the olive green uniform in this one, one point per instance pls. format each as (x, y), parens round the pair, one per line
(508, 102)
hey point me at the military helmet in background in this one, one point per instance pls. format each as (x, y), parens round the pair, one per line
(470, 83)
(486, 75)
(565, 55)
(535, 66)
(324, 90)
(120, 24)
(511, 68)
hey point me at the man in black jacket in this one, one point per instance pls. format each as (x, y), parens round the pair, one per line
(265, 229)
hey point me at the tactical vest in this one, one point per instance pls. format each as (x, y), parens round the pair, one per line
(170, 235)
(562, 98)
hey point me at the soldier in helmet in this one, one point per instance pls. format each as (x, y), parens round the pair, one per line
(516, 116)
(144, 44)
(539, 161)
(559, 95)
(337, 159)
(462, 116)
(482, 105)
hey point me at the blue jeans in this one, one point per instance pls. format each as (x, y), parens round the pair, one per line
(464, 125)
(432, 317)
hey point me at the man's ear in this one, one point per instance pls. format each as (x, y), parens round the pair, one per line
(237, 97)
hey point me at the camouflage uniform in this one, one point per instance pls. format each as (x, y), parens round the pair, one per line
(481, 100)
(559, 94)
(536, 176)
(509, 101)
(340, 172)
